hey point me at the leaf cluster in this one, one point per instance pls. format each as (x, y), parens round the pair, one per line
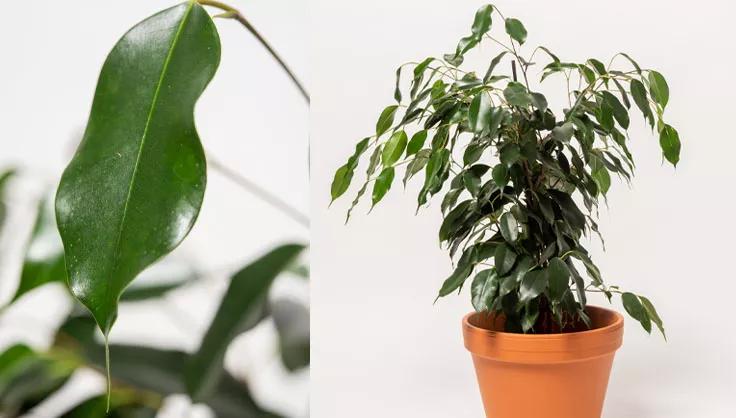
(520, 181)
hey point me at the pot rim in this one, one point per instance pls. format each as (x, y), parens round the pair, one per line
(546, 348)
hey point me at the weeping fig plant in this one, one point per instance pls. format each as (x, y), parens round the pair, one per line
(520, 179)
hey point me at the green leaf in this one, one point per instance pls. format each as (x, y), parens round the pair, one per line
(517, 95)
(639, 93)
(631, 60)
(463, 269)
(659, 88)
(531, 313)
(397, 89)
(516, 30)
(564, 132)
(500, 175)
(417, 164)
(385, 120)
(122, 405)
(510, 154)
(669, 141)
(135, 186)
(599, 67)
(416, 143)
(344, 174)
(482, 21)
(619, 111)
(532, 285)
(504, 258)
(382, 184)
(394, 148)
(559, 278)
(241, 309)
(484, 289)
(602, 179)
(494, 62)
(5, 178)
(634, 308)
(479, 112)
(509, 227)
(292, 324)
(44, 258)
(540, 102)
(652, 313)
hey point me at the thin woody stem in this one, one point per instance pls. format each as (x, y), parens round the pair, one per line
(233, 13)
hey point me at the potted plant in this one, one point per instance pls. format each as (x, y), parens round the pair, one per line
(521, 185)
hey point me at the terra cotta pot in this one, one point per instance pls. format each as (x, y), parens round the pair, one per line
(543, 375)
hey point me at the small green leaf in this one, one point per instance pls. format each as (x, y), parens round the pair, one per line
(531, 313)
(532, 285)
(500, 175)
(494, 62)
(463, 269)
(416, 143)
(619, 111)
(510, 154)
(505, 258)
(599, 67)
(669, 141)
(559, 278)
(382, 184)
(517, 95)
(509, 227)
(417, 164)
(652, 313)
(341, 181)
(634, 308)
(484, 289)
(397, 89)
(516, 30)
(479, 112)
(385, 120)
(659, 88)
(242, 308)
(602, 179)
(639, 93)
(482, 21)
(540, 102)
(394, 148)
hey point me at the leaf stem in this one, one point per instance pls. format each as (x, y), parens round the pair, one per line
(233, 13)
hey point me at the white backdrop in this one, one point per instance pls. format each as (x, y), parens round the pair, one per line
(250, 118)
(379, 346)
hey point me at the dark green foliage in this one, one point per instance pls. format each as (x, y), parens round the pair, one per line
(522, 180)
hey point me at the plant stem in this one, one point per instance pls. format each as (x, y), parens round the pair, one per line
(233, 13)
(259, 192)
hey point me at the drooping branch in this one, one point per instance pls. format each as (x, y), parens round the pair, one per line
(233, 13)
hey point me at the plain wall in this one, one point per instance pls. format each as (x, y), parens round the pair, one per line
(380, 348)
(250, 118)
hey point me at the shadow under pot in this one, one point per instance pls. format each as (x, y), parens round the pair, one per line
(543, 375)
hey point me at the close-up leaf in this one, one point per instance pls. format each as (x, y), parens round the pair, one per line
(135, 186)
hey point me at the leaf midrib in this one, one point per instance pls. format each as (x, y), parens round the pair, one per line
(151, 111)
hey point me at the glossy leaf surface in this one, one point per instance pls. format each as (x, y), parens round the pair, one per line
(135, 186)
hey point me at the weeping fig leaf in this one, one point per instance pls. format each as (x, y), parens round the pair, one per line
(516, 30)
(385, 120)
(639, 93)
(636, 310)
(292, 324)
(652, 312)
(659, 88)
(416, 143)
(479, 112)
(504, 258)
(517, 95)
(122, 405)
(509, 227)
(484, 289)
(669, 141)
(241, 308)
(44, 259)
(564, 132)
(533, 284)
(482, 21)
(383, 184)
(559, 278)
(394, 148)
(500, 175)
(135, 186)
(344, 174)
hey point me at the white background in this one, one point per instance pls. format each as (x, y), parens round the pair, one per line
(250, 118)
(379, 346)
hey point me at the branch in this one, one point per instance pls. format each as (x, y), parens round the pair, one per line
(232, 13)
